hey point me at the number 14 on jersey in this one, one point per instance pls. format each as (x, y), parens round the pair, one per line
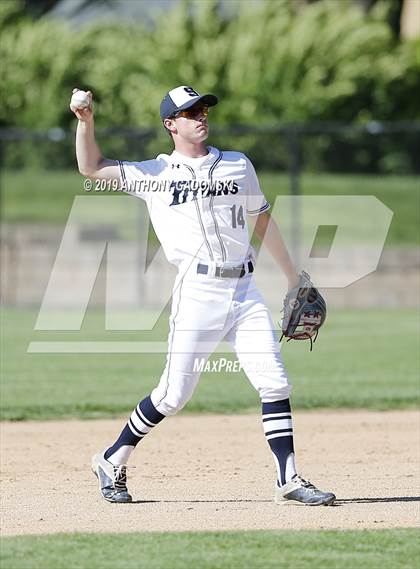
(237, 217)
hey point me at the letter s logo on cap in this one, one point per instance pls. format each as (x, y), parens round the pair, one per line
(191, 92)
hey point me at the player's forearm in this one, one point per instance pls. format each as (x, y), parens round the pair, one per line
(269, 234)
(88, 154)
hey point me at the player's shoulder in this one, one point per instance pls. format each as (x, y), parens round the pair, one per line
(153, 166)
(233, 156)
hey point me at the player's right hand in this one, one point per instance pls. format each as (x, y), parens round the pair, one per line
(86, 114)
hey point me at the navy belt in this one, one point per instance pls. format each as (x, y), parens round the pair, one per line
(227, 272)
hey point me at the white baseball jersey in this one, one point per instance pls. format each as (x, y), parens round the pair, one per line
(198, 206)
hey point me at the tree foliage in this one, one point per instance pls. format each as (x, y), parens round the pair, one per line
(275, 61)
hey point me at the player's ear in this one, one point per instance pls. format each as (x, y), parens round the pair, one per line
(169, 124)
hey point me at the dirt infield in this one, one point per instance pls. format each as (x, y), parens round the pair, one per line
(212, 473)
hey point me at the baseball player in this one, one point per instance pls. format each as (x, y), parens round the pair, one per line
(200, 217)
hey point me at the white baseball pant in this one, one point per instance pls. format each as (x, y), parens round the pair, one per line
(206, 310)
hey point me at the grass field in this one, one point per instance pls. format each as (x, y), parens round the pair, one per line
(363, 358)
(47, 196)
(376, 549)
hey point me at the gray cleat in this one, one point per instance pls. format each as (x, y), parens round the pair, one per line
(300, 491)
(112, 479)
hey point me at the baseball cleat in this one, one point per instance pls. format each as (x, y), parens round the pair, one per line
(112, 479)
(301, 491)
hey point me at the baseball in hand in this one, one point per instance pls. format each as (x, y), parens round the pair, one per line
(80, 100)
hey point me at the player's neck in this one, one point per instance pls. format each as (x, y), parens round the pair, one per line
(190, 149)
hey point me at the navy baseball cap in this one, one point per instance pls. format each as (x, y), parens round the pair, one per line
(182, 98)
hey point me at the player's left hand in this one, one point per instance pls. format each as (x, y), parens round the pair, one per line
(304, 310)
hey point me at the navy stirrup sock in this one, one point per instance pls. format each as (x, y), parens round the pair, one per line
(278, 430)
(142, 420)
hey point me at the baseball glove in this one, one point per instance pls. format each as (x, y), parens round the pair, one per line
(304, 311)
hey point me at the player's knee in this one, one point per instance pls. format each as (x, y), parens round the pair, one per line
(171, 407)
(275, 394)
(172, 397)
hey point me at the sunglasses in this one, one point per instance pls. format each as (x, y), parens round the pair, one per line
(192, 113)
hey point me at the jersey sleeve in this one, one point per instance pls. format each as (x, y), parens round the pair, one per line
(256, 202)
(134, 179)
